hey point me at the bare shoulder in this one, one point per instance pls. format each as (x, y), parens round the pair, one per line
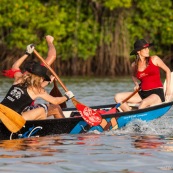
(42, 91)
(18, 77)
(155, 59)
(36, 93)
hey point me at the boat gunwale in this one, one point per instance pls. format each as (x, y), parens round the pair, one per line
(118, 114)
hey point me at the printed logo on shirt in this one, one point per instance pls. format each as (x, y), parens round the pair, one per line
(15, 94)
(143, 75)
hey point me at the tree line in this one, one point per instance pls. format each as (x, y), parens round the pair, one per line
(92, 37)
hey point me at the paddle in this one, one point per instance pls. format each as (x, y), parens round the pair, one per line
(55, 92)
(92, 117)
(126, 99)
(11, 119)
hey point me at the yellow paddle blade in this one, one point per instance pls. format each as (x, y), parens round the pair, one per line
(11, 126)
(11, 119)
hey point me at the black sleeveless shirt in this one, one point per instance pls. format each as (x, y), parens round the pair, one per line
(17, 98)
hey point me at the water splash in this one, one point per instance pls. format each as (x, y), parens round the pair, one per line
(161, 126)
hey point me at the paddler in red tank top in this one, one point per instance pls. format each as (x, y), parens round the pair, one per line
(146, 70)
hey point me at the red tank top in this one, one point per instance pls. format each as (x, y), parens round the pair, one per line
(150, 77)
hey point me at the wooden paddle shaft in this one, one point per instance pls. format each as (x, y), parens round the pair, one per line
(132, 94)
(51, 70)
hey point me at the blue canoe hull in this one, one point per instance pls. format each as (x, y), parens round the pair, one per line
(127, 117)
(76, 125)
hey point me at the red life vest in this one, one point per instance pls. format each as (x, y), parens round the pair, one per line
(150, 77)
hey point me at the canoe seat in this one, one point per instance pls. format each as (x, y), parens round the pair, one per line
(133, 104)
(136, 105)
(75, 114)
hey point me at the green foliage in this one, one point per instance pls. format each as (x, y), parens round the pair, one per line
(17, 23)
(81, 31)
(152, 19)
(25, 22)
(113, 4)
(79, 27)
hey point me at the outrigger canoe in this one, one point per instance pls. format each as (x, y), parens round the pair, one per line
(76, 124)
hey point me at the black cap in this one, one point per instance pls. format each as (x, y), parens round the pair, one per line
(37, 69)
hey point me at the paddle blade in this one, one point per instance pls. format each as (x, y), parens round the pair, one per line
(92, 117)
(55, 92)
(11, 119)
(10, 125)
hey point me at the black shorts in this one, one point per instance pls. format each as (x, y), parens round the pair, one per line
(158, 91)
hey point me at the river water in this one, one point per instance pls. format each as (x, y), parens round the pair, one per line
(120, 151)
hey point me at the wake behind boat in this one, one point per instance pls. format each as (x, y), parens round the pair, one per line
(76, 124)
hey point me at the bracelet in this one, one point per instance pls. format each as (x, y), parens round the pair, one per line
(27, 53)
(66, 97)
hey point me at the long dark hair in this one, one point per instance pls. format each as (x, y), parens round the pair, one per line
(137, 62)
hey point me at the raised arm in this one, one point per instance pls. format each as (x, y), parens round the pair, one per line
(54, 100)
(16, 66)
(51, 55)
